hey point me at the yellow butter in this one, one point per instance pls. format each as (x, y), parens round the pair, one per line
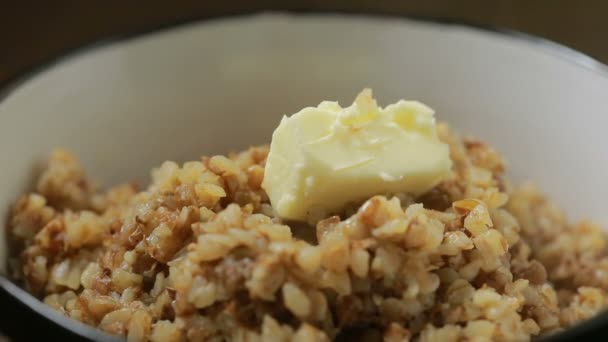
(326, 157)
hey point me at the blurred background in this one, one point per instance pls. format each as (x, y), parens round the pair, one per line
(35, 32)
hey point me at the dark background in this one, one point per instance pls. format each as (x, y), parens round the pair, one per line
(34, 32)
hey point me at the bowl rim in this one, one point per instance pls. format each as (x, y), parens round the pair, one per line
(596, 326)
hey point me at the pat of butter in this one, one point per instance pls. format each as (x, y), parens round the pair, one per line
(326, 157)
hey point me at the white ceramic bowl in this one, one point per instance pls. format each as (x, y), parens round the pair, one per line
(222, 85)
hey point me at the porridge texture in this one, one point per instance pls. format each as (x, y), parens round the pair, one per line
(200, 255)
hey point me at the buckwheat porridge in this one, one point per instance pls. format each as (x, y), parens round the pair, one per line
(203, 253)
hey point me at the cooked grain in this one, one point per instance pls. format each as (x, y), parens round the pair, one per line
(199, 255)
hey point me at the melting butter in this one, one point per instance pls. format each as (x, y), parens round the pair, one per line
(324, 157)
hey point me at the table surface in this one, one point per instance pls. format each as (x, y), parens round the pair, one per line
(31, 33)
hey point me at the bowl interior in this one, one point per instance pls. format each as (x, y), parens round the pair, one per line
(223, 85)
